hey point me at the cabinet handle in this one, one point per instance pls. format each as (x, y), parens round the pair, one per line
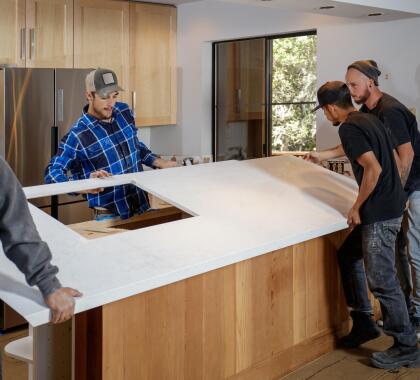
(22, 43)
(32, 42)
(134, 101)
(238, 100)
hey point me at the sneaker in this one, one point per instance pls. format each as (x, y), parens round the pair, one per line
(363, 330)
(395, 357)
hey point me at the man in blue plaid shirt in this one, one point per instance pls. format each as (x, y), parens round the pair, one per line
(104, 142)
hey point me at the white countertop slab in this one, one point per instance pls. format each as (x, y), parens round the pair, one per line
(241, 209)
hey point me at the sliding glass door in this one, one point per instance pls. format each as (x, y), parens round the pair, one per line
(239, 99)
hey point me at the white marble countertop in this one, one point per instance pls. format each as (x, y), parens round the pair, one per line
(241, 209)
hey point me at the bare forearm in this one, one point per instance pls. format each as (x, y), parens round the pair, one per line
(405, 160)
(163, 164)
(405, 172)
(405, 168)
(159, 163)
(328, 154)
(369, 182)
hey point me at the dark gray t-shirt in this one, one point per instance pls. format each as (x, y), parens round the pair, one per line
(362, 133)
(403, 126)
(19, 237)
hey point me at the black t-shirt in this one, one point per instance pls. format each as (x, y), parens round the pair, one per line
(403, 126)
(362, 133)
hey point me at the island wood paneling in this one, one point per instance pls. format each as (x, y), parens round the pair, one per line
(257, 319)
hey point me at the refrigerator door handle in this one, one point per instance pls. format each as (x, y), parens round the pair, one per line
(54, 148)
(60, 105)
(32, 43)
(54, 140)
(22, 43)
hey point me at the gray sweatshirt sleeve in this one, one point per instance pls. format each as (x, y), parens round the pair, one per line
(19, 237)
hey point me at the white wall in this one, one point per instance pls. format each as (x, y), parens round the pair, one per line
(394, 45)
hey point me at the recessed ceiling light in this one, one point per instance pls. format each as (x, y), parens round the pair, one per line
(327, 7)
(375, 14)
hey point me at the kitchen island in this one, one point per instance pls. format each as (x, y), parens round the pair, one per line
(246, 288)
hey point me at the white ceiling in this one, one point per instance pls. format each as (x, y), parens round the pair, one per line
(391, 9)
(342, 8)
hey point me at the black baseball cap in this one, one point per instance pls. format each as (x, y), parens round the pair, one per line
(331, 93)
(367, 67)
(102, 81)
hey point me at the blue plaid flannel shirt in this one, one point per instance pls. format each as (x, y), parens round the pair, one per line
(93, 145)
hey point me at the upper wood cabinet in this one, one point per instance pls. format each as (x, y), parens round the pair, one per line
(36, 33)
(49, 41)
(136, 40)
(101, 37)
(153, 63)
(12, 32)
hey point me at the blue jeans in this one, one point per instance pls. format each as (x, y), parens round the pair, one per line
(403, 266)
(369, 253)
(413, 243)
(100, 217)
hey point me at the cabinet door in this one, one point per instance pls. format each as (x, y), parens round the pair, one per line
(101, 37)
(153, 63)
(49, 26)
(12, 32)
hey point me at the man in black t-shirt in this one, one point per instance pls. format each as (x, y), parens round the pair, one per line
(362, 80)
(376, 219)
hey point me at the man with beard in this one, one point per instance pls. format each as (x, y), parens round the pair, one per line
(104, 142)
(376, 219)
(362, 80)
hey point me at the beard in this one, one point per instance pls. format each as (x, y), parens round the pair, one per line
(102, 114)
(363, 98)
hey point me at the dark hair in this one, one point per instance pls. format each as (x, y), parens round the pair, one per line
(344, 101)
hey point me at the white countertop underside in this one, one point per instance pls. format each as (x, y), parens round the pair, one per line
(241, 209)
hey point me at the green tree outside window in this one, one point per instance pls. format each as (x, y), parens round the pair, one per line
(293, 93)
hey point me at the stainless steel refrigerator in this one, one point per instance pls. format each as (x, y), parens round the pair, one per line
(37, 108)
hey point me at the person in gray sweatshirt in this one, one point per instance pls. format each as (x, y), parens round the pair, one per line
(24, 247)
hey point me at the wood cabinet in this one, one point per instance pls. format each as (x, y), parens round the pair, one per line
(153, 63)
(101, 37)
(12, 32)
(136, 40)
(49, 25)
(36, 33)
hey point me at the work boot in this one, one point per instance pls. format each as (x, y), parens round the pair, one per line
(364, 329)
(396, 356)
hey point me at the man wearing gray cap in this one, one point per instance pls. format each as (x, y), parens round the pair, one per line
(103, 142)
(369, 250)
(362, 79)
